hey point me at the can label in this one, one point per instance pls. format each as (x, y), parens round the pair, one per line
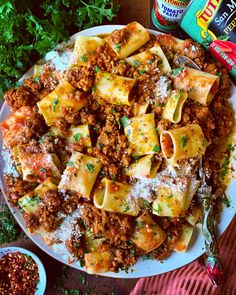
(213, 24)
(167, 13)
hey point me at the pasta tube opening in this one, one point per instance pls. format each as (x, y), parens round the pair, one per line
(167, 144)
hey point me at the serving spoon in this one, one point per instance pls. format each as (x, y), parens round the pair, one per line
(182, 60)
(212, 260)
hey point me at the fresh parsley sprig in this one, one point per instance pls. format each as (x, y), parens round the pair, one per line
(29, 29)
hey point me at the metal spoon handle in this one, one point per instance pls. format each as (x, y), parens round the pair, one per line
(212, 261)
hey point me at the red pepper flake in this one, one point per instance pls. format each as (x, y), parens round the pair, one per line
(18, 274)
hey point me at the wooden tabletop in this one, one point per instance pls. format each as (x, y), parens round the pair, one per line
(131, 10)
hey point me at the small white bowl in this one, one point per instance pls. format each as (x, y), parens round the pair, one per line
(42, 274)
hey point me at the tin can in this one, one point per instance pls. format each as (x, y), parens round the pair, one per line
(213, 24)
(166, 14)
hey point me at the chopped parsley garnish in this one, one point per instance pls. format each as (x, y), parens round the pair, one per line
(101, 145)
(123, 62)
(77, 136)
(54, 104)
(113, 178)
(177, 71)
(184, 141)
(227, 202)
(96, 69)
(125, 121)
(35, 79)
(140, 224)
(159, 209)
(231, 148)
(127, 208)
(156, 148)
(136, 63)
(90, 167)
(42, 170)
(94, 88)
(142, 72)
(135, 158)
(132, 252)
(36, 200)
(112, 111)
(224, 168)
(170, 196)
(84, 58)
(70, 163)
(117, 47)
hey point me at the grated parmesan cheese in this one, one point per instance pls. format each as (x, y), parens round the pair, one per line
(61, 61)
(162, 89)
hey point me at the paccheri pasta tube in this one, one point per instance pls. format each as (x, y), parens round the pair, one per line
(80, 174)
(98, 262)
(127, 40)
(113, 89)
(145, 166)
(183, 143)
(174, 105)
(30, 201)
(115, 197)
(201, 86)
(85, 48)
(173, 196)
(143, 60)
(141, 134)
(148, 235)
(63, 96)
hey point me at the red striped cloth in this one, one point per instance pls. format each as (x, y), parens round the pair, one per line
(193, 279)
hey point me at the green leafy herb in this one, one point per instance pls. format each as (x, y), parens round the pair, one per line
(96, 69)
(70, 163)
(177, 71)
(93, 88)
(122, 62)
(112, 111)
(224, 167)
(113, 178)
(159, 209)
(136, 63)
(231, 148)
(135, 158)
(142, 72)
(54, 104)
(127, 208)
(84, 58)
(132, 252)
(183, 141)
(77, 136)
(101, 145)
(140, 224)
(90, 167)
(125, 121)
(156, 148)
(43, 170)
(29, 29)
(8, 227)
(117, 47)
